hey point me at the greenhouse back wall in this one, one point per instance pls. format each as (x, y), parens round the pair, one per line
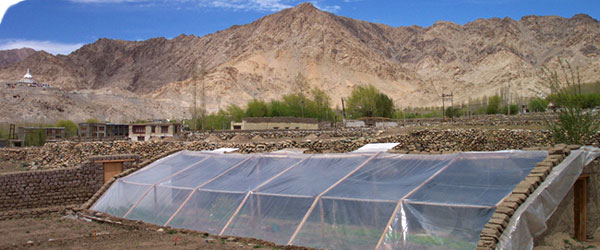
(338, 201)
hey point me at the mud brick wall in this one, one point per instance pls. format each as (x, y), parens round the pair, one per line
(61, 187)
(495, 227)
(563, 218)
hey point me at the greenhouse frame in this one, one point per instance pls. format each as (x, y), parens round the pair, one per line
(357, 200)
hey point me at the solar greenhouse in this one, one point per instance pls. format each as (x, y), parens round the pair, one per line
(359, 200)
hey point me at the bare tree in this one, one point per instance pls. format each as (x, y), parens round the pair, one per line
(301, 88)
(198, 114)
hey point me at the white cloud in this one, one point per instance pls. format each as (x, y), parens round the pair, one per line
(235, 5)
(108, 1)
(258, 5)
(329, 8)
(48, 46)
(4, 5)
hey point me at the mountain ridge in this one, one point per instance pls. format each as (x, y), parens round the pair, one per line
(262, 59)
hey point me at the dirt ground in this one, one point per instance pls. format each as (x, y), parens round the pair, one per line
(60, 232)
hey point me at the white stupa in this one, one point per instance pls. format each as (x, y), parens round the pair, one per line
(28, 79)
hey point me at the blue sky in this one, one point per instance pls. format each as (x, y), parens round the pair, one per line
(61, 26)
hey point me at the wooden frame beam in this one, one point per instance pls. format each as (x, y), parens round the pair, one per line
(449, 204)
(312, 207)
(161, 180)
(112, 161)
(205, 183)
(256, 188)
(389, 224)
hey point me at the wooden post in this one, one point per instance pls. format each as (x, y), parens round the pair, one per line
(259, 213)
(333, 208)
(251, 211)
(322, 219)
(580, 207)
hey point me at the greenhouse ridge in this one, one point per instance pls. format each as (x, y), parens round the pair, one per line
(340, 201)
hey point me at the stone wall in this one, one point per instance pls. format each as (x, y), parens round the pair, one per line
(60, 187)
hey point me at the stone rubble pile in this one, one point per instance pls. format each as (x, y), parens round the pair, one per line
(483, 120)
(65, 154)
(280, 134)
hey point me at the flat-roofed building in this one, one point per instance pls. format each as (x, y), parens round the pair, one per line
(103, 130)
(147, 131)
(275, 123)
(92, 130)
(50, 134)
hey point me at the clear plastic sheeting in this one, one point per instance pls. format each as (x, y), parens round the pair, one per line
(120, 197)
(530, 218)
(358, 200)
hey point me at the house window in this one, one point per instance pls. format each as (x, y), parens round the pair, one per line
(164, 129)
(101, 128)
(276, 128)
(140, 138)
(153, 129)
(139, 129)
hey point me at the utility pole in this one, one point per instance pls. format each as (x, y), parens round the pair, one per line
(343, 110)
(443, 108)
(203, 96)
(508, 95)
(444, 97)
(195, 108)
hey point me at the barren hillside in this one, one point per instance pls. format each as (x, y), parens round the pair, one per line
(413, 65)
(8, 57)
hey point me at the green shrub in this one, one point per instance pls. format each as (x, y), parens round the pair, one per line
(493, 106)
(92, 120)
(574, 125)
(514, 109)
(70, 127)
(452, 112)
(235, 112)
(538, 104)
(367, 101)
(257, 108)
(591, 100)
(36, 137)
(219, 120)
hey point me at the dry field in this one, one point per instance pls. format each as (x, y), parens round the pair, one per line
(68, 232)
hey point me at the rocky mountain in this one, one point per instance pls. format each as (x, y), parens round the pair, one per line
(8, 57)
(413, 65)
